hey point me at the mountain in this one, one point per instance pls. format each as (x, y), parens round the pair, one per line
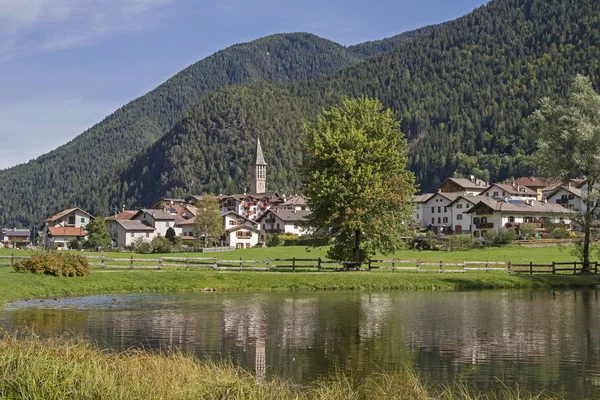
(463, 92)
(31, 191)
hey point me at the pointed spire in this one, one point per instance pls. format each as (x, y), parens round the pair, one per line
(259, 158)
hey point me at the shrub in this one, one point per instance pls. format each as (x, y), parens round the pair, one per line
(458, 243)
(141, 246)
(501, 237)
(161, 245)
(528, 231)
(63, 264)
(273, 240)
(559, 233)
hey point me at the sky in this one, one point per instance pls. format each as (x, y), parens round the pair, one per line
(67, 64)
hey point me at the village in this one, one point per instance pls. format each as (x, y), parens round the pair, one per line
(459, 206)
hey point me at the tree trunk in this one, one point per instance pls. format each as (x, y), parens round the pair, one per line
(357, 249)
(586, 246)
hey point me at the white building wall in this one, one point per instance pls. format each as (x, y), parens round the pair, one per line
(234, 239)
(459, 218)
(436, 212)
(567, 200)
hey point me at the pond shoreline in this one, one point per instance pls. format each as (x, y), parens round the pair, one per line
(22, 286)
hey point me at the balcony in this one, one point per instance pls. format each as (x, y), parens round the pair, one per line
(485, 225)
(275, 230)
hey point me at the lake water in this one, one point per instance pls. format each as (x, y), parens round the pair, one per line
(546, 340)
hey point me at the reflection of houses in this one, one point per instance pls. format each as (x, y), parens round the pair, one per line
(489, 214)
(65, 226)
(283, 221)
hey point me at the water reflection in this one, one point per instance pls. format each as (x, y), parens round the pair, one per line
(540, 340)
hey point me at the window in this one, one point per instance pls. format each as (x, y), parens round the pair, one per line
(511, 219)
(439, 220)
(433, 220)
(439, 209)
(484, 220)
(168, 224)
(295, 226)
(459, 206)
(71, 220)
(476, 220)
(433, 210)
(232, 222)
(147, 234)
(459, 217)
(495, 194)
(83, 220)
(564, 196)
(417, 216)
(571, 197)
(445, 209)
(487, 195)
(132, 234)
(445, 220)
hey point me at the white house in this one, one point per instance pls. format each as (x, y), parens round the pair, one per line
(514, 192)
(283, 221)
(418, 205)
(489, 214)
(69, 218)
(566, 196)
(160, 220)
(461, 222)
(127, 231)
(437, 213)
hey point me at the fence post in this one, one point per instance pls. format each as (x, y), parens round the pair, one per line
(530, 267)
(159, 262)
(508, 267)
(369, 264)
(102, 262)
(187, 263)
(319, 264)
(241, 263)
(487, 266)
(574, 267)
(394, 266)
(12, 260)
(131, 262)
(553, 267)
(464, 265)
(268, 264)
(417, 265)
(596, 268)
(293, 264)
(215, 262)
(441, 266)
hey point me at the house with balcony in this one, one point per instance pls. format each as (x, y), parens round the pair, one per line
(567, 196)
(73, 218)
(238, 231)
(490, 214)
(283, 221)
(15, 238)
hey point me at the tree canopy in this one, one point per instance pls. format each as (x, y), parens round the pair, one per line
(568, 132)
(355, 178)
(209, 222)
(97, 235)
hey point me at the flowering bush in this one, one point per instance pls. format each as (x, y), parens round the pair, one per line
(63, 264)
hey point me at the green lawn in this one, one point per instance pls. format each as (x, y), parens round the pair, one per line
(513, 253)
(17, 286)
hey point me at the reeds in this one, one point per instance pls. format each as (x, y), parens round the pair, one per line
(71, 368)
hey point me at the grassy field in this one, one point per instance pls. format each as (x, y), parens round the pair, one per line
(67, 368)
(514, 253)
(17, 286)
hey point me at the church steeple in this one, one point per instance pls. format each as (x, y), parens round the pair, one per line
(258, 171)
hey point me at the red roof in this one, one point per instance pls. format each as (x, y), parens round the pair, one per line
(66, 231)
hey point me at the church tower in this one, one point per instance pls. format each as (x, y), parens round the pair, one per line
(258, 171)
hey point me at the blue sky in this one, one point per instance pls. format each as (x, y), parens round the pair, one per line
(66, 64)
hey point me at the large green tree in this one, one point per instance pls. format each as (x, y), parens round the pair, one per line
(356, 180)
(569, 147)
(209, 222)
(97, 235)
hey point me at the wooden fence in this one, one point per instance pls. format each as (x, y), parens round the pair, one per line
(319, 264)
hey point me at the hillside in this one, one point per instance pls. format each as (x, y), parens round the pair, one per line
(463, 92)
(32, 191)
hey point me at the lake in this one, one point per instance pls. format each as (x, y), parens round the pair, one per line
(541, 340)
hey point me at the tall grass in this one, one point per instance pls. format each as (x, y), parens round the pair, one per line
(71, 368)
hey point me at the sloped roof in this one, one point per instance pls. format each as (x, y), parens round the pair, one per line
(510, 189)
(422, 198)
(259, 158)
(158, 215)
(66, 231)
(122, 216)
(16, 232)
(66, 212)
(191, 221)
(532, 182)
(448, 195)
(538, 207)
(469, 197)
(295, 201)
(287, 215)
(468, 184)
(572, 190)
(136, 225)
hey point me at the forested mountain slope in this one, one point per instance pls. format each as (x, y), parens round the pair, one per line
(463, 92)
(29, 192)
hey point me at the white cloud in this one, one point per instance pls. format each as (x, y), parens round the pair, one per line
(29, 26)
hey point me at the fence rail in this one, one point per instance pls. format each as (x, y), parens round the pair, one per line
(319, 264)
